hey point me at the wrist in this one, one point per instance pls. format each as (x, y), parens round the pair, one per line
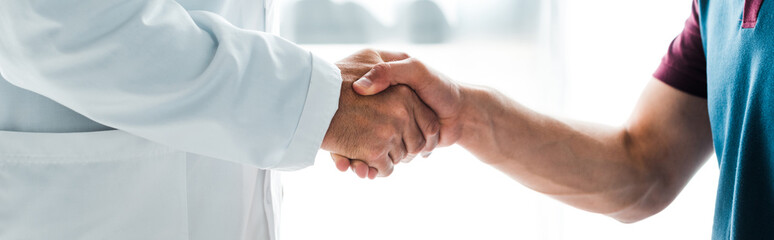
(474, 118)
(330, 134)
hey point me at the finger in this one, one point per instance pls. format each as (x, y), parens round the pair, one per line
(360, 168)
(409, 158)
(394, 160)
(413, 137)
(398, 151)
(408, 71)
(374, 81)
(390, 56)
(383, 165)
(342, 163)
(372, 172)
(432, 143)
(429, 124)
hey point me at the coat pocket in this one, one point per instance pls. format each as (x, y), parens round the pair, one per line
(97, 185)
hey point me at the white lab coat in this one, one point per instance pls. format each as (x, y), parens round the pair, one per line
(202, 104)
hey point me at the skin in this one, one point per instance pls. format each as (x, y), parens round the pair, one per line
(628, 172)
(377, 131)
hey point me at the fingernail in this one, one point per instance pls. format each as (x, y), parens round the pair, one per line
(364, 83)
(426, 154)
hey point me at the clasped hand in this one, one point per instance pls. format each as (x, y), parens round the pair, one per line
(371, 134)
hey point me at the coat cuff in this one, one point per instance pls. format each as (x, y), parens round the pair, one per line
(322, 101)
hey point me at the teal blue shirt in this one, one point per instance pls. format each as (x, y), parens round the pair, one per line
(740, 94)
(726, 54)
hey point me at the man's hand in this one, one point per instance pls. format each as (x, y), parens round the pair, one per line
(439, 92)
(372, 133)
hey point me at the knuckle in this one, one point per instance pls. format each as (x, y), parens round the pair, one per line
(369, 51)
(384, 133)
(401, 113)
(381, 70)
(402, 154)
(417, 147)
(381, 162)
(379, 74)
(401, 149)
(433, 128)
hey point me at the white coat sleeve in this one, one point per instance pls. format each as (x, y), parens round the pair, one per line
(185, 79)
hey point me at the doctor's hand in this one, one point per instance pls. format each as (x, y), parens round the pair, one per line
(372, 133)
(443, 95)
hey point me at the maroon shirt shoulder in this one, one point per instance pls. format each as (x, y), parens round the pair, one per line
(684, 66)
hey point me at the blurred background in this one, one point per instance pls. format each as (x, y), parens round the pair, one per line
(585, 60)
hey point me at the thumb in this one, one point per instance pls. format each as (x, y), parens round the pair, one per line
(386, 74)
(374, 81)
(365, 85)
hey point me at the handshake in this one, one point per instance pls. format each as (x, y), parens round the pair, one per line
(391, 109)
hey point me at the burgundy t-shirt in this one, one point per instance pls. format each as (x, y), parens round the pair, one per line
(684, 66)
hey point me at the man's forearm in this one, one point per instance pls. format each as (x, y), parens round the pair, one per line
(628, 173)
(589, 167)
